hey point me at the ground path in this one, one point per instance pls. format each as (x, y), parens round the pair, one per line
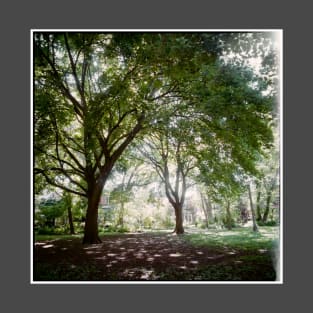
(127, 257)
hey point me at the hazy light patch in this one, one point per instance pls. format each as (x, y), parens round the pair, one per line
(48, 246)
(183, 267)
(92, 247)
(146, 274)
(150, 259)
(128, 272)
(194, 262)
(63, 249)
(175, 255)
(40, 243)
(199, 252)
(227, 233)
(111, 254)
(266, 234)
(121, 258)
(157, 255)
(263, 250)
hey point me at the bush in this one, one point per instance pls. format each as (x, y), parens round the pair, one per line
(228, 223)
(47, 230)
(148, 223)
(268, 223)
(109, 228)
(122, 230)
(167, 222)
(201, 225)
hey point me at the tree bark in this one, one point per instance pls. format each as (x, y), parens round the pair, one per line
(267, 208)
(269, 194)
(70, 220)
(255, 227)
(258, 207)
(120, 221)
(204, 209)
(179, 228)
(91, 224)
(209, 208)
(228, 216)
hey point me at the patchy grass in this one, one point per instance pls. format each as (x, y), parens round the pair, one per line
(55, 237)
(238, 238)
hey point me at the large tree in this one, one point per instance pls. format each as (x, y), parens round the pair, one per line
(94, 93)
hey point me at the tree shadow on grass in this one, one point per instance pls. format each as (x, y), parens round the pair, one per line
(142, 257)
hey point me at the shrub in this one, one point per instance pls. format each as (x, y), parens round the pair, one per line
(48, 230)
(110, 228)
(167, 222)
(122, 229)
(148, 223)
(268, 223)
(45, 230)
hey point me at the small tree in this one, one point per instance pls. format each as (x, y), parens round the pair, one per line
(167, 151)
(254, 224)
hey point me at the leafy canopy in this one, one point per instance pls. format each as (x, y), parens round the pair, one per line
(95, 93)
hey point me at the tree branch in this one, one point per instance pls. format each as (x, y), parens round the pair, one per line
(73, 66)
(53, 183)
(66, 173)
(65, 91)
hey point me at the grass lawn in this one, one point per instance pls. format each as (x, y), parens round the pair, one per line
(238, 238)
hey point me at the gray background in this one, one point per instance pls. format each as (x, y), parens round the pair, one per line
(17, 18)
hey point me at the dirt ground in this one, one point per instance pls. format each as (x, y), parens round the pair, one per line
(132, 257)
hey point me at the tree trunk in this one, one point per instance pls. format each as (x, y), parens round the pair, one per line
(209, 208)
(70, 220)
(267, 208)
(258, 207)
(255, 227)
(269, 194)
(179, 228)
(91, 224)
(120, 221)
(204, 209)
(228, 216)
